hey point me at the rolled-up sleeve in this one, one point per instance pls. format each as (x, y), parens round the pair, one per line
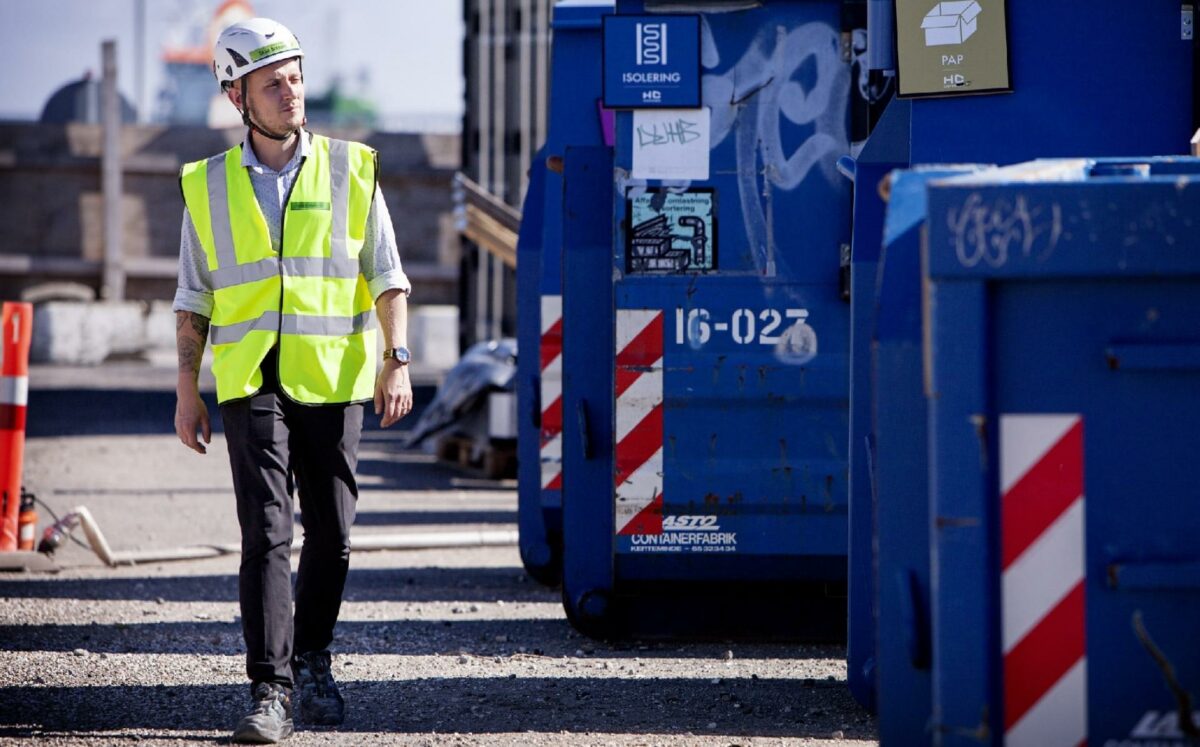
(194, 292)
(380, 257)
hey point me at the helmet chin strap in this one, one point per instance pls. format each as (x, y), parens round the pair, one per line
(249, 121)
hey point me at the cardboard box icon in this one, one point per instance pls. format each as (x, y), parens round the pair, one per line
(951, 22)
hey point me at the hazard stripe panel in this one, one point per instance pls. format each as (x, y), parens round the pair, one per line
(638, 394)
(1043, 580)
(14, 390)
(1060, 717)
(1046, 490)
(551, 393)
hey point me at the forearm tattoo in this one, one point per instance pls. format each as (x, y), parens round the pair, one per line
(190, 353)
(200, 325)
(190, 344)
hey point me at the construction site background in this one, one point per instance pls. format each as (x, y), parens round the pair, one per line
(52, 207)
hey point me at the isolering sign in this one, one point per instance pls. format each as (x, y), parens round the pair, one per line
(651, 62)
(952, 48)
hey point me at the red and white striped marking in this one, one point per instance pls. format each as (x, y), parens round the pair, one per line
(16, 335)
(639, 422)
(1043, 580)
(551, 383)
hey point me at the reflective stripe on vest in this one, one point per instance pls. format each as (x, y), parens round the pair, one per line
(293, 324)
(312, 301)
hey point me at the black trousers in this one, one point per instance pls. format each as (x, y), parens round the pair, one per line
(268, 436)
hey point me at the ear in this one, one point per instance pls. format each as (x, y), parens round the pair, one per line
(234, 92)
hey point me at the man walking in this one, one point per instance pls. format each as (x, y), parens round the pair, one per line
(287, 258)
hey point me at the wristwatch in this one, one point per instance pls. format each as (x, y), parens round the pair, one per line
(401, 355)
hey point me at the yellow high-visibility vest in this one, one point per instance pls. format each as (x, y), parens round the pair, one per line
(310, 299)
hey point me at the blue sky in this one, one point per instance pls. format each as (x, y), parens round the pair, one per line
(403, 54)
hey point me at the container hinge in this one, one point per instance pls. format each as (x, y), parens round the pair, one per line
(1187, 28)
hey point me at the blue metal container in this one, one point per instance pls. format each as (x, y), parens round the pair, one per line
(1054, 110)
(706, 358)
(897, 458)
(1064, 385)
(575, 119)
(886, 150)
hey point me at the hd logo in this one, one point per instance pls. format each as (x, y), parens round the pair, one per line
(652, 44)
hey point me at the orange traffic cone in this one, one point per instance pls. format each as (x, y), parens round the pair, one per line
(16, 332)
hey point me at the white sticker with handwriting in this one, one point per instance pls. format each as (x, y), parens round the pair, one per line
(671, 144)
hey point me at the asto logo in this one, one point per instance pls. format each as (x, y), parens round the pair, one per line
(652, 44)
(690, 523)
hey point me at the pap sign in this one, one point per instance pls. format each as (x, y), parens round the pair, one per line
(952, 47)
(652, 62)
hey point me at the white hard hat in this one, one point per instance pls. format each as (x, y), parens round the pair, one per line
(248, 45)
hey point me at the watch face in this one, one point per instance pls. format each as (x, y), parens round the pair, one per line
(400, 354)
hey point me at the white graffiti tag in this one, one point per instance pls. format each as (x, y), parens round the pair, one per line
(752, 99)
(990, 232)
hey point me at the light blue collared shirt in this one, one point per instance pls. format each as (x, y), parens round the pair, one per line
(379, 260)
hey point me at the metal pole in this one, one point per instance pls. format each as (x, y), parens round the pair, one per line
(541, 84)
(139, 62)
(484, 156)
(499, 185)
(524, 85)
(500, 42)
(113, 283)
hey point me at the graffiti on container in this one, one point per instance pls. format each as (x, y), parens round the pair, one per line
(796, 75)
(678, 132)
(992, 232)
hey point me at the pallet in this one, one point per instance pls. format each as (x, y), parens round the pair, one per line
(496, 461)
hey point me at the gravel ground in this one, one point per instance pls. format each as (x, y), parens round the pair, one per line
(435, 647)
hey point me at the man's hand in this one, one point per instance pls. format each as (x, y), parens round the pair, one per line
(393, 393)
(191, 332)
(190, 414)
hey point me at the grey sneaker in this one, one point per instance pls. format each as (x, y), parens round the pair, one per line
(320, 702)
(270, 720)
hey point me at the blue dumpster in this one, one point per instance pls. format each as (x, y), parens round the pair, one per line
(1136, 61)
(898, 423)
(887, 149)
(575, 119)
(705, 343)
(1064, 388)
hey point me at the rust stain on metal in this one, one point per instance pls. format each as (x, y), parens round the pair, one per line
(1187, 720)
(717, 364)
(980, 422)
(981, 733)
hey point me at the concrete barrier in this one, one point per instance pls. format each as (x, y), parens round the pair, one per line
(433, 335)
(76, 333)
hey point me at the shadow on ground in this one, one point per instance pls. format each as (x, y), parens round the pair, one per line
(429, 584)
(457, 633)
(466, 705)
